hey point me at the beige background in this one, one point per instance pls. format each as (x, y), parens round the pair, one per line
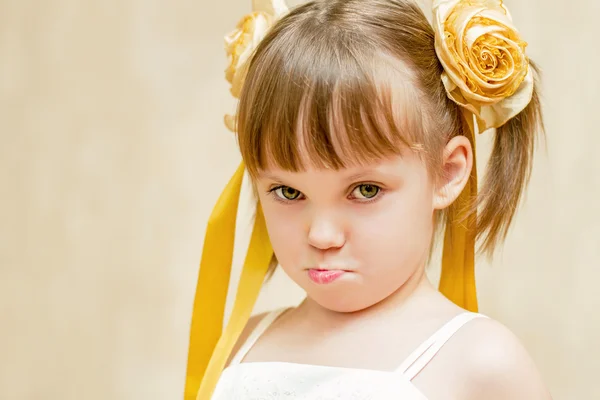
(113, 151)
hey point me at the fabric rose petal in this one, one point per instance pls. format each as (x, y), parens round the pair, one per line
(241, 43)
(486, 70)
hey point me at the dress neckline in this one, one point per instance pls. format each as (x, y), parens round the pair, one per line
(279, 365)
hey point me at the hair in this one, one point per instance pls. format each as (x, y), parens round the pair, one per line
(341, 82)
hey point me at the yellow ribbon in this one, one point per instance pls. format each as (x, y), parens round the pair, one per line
(208, 348)
(457, 281)
(459, 27)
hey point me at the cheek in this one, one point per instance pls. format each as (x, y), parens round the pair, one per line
(397, 233)
(286, 232)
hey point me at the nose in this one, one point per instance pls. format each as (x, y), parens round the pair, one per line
(325, 233)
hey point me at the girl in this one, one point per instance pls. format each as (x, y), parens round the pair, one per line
(356, 124)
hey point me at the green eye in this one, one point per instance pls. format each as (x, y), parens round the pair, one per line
(366, 191)
(287, 193)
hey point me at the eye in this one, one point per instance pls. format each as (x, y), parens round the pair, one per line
(366, 191)
(287, 193)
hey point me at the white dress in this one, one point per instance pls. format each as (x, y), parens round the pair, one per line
(284, 380)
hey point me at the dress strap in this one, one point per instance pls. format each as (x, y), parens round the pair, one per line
(257, 332)
(428, 349)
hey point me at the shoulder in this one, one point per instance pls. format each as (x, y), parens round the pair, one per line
(250, 325)
(496, 365)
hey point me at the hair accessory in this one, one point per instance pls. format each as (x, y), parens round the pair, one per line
(487, 73)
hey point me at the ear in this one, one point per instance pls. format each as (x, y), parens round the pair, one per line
(457, 164)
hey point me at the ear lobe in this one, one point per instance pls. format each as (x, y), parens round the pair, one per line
(457, 164)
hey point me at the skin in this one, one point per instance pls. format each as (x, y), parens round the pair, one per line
(376, 222)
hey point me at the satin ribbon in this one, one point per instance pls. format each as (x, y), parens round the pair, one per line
(457, 281)
(209, 347)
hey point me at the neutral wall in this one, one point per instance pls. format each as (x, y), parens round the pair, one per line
(113, 151)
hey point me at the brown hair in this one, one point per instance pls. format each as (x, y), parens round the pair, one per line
(349, 81)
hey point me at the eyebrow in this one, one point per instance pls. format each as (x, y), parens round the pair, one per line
(265, 175)
(353, 177)
(362, 174)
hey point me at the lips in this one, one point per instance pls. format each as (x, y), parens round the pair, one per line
(325, 276)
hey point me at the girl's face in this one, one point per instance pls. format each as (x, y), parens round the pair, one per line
(351, 237)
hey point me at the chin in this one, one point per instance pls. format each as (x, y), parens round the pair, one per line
(341, 302)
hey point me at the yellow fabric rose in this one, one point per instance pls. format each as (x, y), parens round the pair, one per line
(486, 70)
(241, 43)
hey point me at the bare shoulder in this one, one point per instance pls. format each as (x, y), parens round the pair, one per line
(250, 325)
(496, 365)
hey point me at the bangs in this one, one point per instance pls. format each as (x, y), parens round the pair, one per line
(315, 102)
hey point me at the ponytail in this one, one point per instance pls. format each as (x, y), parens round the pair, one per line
(508, 172)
